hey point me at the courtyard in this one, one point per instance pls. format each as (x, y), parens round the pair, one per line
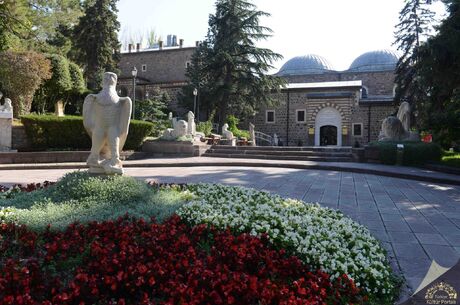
(416, 222)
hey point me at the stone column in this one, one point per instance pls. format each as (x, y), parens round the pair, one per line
(6, 123)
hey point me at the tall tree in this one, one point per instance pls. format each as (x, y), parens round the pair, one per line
(97, 42)
(234, 70)
(21, 74)
(415, 24)
(438, 69)
(14, 24)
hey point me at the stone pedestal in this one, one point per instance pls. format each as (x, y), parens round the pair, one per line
(6, 123)
(228, 142)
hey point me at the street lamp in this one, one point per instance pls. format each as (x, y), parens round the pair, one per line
(134, 74)
(195, 93)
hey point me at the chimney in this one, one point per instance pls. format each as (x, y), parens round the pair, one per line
(160, 44)
(174, 41)
(169, 42)
(138, 47)
(181, 43)
(130, 48)
(197, 43)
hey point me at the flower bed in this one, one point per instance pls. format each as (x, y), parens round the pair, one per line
(321, 238)
(136, 262)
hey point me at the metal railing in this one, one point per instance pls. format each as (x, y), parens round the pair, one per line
(263, 139)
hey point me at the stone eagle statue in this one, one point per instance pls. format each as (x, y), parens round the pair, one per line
(106, 119)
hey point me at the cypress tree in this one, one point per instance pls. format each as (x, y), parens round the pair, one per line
(98, 48)
(233, 70)
(415, 20)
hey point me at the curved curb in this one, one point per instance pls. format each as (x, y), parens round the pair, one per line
(379, 172)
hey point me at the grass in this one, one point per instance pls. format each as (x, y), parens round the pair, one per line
(79, 197)
(451, 159)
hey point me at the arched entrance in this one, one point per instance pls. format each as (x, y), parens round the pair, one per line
(328, 127)
(328, 135)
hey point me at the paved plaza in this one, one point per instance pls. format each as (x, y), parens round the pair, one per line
(417, 222)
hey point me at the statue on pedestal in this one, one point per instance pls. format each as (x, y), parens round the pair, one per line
(106, 119)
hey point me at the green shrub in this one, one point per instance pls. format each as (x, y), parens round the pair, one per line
(415, 153)
(451, 159)
(204, 127)
(233, 122)
(52, 132)
(79, 197)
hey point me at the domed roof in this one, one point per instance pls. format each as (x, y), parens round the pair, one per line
(380, 60)
(308, 64)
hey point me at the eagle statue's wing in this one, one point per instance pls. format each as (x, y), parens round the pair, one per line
(125, 115)
(88, 113)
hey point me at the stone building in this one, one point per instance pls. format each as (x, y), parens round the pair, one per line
(321, 106)
(157, 68)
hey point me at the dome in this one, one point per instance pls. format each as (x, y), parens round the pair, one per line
(308, 64)
(381, 60)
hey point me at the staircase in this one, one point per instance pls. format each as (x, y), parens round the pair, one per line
(327, 154)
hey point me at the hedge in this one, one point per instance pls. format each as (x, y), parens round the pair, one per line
(52, 132)
(415, 153)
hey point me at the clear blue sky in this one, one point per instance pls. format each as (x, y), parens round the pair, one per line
(335, 29)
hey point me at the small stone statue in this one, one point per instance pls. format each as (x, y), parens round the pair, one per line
(106, 119)
(191, 123)
(404, 115)
(7, 106)
(398, 128)
(226, 133)
(275, 139)
(180, 129)
(252, 134)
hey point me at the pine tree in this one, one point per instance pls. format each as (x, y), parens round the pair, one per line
(96, 40)
(415, 24)
(438, 68)
(233, 71)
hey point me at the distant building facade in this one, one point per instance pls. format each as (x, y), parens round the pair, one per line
(319, 107)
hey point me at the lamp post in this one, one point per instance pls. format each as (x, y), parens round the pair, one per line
(134, 74)
(195, 93)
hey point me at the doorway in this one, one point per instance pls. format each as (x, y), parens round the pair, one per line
(328, 135)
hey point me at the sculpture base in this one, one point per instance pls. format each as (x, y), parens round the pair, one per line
(102, 171)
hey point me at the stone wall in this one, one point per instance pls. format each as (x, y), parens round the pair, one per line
(378, 83)
(163, 66)
(294, 133)
(19, 139)
(287, 129)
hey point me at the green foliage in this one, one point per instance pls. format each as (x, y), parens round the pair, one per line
(415, 153)
(79, 197)
(14, 24)
(451, 159)
(233, 122)
(228, 69)
(204, 127)
(138, 131)
(21, 74)
(155, 110)
(95, 38)
(438, 70)
(57, 86)
(52, 132)
(415, 24)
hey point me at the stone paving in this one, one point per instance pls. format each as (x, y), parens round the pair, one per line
(417, 222)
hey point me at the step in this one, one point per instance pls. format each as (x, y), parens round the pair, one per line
(285, 148)
(277, 157)
(281, 153)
